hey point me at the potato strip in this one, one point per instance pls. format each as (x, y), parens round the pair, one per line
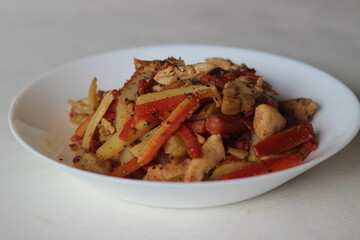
(115, 145)
(104, 105)
(125, 106)
(150, 97)
(93, 98)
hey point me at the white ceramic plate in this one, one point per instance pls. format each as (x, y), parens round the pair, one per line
(39, 121)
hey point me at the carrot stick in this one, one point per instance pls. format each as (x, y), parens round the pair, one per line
(191, 142)
(168, 128)
(165, 131)
(126, 169)
(111, 112)
(80, 131)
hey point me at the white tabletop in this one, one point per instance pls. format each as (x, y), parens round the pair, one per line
(38, 201)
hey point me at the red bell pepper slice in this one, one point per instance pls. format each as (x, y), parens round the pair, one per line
(191, 141)
(153, 109)
(197, 126)
(249, 171)
(94, 145)
(111, 112)
(283, 141)
(222, 123)
(285, 163)
(127, 129)
(249, 75)
(144, 86)
(208, 79)
(244, 141)
(264, 167)
(312, 144)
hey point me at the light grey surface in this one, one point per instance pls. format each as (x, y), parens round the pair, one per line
(39, 202)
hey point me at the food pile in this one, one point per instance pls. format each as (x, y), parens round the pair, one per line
(214, 120)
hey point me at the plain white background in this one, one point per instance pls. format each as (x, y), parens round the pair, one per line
(39, 202)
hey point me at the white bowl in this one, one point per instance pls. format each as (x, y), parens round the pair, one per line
(39, 121)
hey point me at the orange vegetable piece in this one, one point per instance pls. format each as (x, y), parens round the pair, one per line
(155, 108)
(127, 129)
(285, 163)
(191, 141)
(168, 128)
(81, 129)
(198, 126)
(283, 141)
(250, 170)
(126, 169)
(222, 123)
(265, 166)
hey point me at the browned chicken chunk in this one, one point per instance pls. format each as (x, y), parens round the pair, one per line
(267, 121)
(166, 172)
(301, 108)
(213, 152)
(90, 162)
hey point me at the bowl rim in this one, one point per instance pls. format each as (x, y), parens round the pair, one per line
(304, 166)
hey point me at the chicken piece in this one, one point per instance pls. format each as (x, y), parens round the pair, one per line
(267, 121)
(227, 64)
(301, 108)
(106, 130)
(79, 110)
(175, 73)
(175, 147)
(239, 153)
(237, 97)
(166, 172)
(206, 111)
(154, 65)
(254, 140)
(213, 152)
(90, 162)
(223, 63)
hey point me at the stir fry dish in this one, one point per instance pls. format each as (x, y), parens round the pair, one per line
(214, 120)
